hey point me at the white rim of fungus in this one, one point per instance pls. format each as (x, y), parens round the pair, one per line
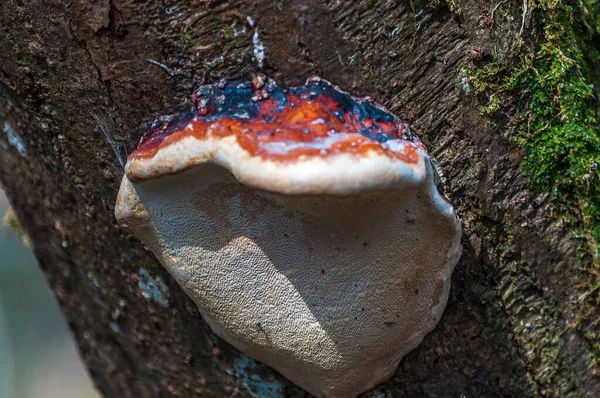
(337, 173)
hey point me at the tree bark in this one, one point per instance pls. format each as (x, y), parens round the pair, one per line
(79, 78)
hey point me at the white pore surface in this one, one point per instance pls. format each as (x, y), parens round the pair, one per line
(331, 291)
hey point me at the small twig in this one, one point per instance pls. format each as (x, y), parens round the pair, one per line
(495, 8)
(341, 60)
(591, 325)
(414, 14)
(114, 144)
(525, 6)
(170, 71)
(163, 66)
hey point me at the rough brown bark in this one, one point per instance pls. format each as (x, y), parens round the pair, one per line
(75, 71)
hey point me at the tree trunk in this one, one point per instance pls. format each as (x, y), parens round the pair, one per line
(79, 78)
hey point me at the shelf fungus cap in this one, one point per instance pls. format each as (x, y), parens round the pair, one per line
(305, 224)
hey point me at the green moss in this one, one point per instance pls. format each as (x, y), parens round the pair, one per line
(13, 226)
(556, 85)
(279, 4)
(451, 4)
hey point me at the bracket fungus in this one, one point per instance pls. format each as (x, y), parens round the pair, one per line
(304, 223)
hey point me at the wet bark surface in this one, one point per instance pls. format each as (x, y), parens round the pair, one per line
(80, 79)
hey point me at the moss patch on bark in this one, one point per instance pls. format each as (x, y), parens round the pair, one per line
(556, 86)
(552, 93)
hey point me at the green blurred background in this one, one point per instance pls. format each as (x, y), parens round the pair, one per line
(38, 358)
